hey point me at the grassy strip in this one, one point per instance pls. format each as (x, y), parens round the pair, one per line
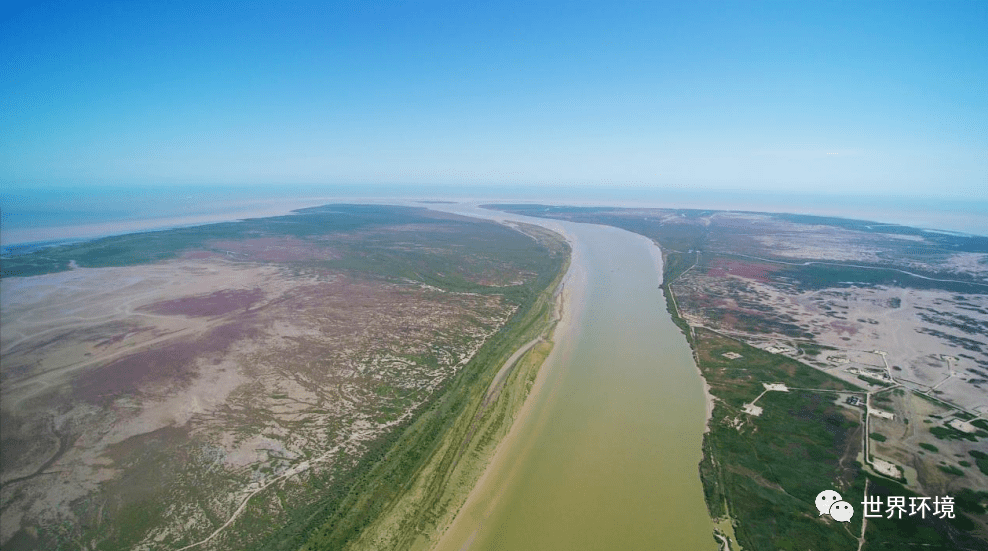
(419, 517)
(400, 491)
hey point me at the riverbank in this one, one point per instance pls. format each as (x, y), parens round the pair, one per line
(464, 431)
(462, 529)
(717, 505)
(660, 260)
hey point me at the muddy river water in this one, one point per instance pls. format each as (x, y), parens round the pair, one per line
(604, 454)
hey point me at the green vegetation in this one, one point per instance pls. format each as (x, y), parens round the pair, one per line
(771, 465)
(740, 381)
(951, 470)
(981, 460)
(877, 436)
(912, 532)
(929, 447)
(814, 349)
(395, 243)
(943, 432)
(971, 501)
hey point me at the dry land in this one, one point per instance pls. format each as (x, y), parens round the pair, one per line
(878, 334)
(241, 385)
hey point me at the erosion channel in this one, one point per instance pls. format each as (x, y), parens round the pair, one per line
(604, 454)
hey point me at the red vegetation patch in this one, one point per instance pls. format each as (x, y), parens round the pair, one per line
(844, 327)
(748, 270)
(729, 320)
(274, 249)
(172, 364)
(213, 304)
(199, 255)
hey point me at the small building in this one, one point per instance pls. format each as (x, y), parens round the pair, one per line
(732, 355)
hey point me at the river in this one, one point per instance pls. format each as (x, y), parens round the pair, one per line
(604, 454)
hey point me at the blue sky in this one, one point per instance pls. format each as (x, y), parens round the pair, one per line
(841, 97)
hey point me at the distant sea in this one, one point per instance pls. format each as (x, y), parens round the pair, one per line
(35, 217)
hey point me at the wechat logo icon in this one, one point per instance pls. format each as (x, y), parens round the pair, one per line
(829, 502)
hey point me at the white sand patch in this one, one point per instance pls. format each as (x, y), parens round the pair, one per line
(886, 468)
(752, 409)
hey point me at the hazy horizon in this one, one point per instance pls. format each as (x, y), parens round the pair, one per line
(33, 215)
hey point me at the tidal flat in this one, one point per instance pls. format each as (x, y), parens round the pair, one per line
(228, 386)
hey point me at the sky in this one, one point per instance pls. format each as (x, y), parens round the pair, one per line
(826, 97)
